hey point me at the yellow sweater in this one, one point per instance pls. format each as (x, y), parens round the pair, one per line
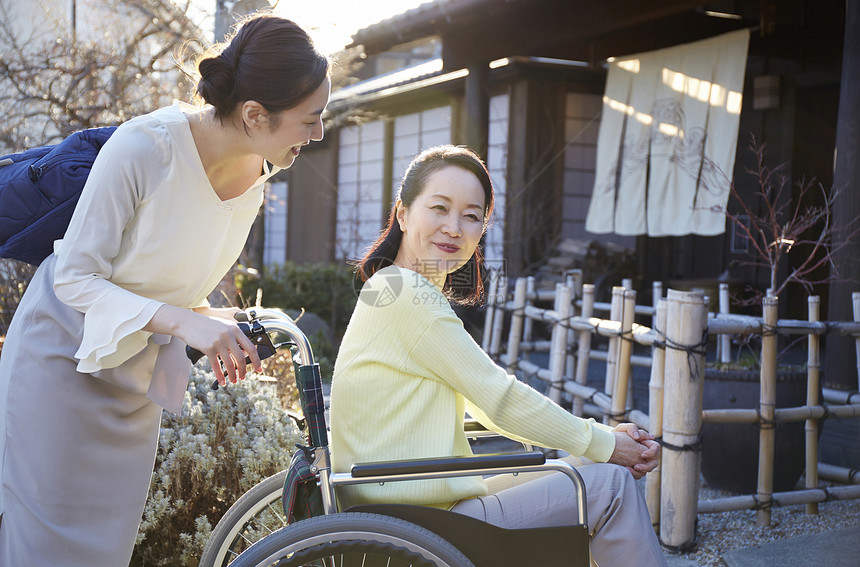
(407, 372)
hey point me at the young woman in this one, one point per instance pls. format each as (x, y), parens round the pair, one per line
(96, 348)
(407, 372)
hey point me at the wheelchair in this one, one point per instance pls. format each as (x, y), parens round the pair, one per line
(255, 532)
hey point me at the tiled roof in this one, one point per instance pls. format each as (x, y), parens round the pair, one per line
(412, 74)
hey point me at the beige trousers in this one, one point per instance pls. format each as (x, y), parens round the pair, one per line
(618, 518)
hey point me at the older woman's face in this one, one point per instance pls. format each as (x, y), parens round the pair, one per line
(443, 226)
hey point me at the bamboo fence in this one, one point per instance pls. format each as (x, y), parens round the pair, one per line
(678, 337)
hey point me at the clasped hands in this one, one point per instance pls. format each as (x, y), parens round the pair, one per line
(635, 449)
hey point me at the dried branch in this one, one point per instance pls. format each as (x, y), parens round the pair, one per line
(127, 63)
(788, 223)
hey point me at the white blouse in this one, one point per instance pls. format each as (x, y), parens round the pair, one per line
(149, 229)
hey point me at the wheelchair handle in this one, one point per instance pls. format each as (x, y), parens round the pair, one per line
(256, 323)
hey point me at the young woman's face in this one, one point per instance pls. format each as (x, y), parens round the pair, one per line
(293, 128)
(443, 226)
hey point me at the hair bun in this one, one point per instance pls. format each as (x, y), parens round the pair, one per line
(217, 84)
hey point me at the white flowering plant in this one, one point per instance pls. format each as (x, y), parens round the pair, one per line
(223, 443)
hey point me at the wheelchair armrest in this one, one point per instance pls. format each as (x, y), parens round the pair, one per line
(474, 426)
(472, 462)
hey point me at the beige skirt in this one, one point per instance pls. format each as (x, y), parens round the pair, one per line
(76, 450)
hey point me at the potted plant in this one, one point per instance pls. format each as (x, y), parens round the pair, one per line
(778, 225)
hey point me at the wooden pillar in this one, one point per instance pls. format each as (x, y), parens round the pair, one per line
(528, 323)
(516, 332)
(574, 281)
(477, 107)
(584, 350)
(615, 308)
(655, 411)
(489, 317)
(855, 300)
(846, 179)
(499, 317)
(558, 348)
(767, 409)
(724, 340)
(812, 386)
(686, 322)
(621, 386)
(534, 176)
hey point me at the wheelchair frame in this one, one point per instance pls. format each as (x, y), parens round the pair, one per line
(475, 542)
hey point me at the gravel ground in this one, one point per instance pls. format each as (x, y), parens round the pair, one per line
(721, 532)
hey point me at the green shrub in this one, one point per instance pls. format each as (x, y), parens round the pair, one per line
(327, 290)
(222, 444)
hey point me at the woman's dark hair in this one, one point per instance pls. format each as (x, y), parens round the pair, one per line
(270, 60)
(464, 286)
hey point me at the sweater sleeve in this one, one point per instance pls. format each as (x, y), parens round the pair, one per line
(113, 316)
(447, 353)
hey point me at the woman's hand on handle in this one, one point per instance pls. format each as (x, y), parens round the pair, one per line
(212, 332)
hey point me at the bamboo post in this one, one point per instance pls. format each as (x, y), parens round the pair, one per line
(855, 298)
(813, 368)
(491, 309)
(615, 307)
(528, 324)
(625, 349)
(582, 353)
(655, 412)
(725, 341)
(499, 318)
(558, 349)
(767, 407)
(686, 325)
(516, 331)
(570, 359)
(627, 283)
(656, 296)
(629, 304)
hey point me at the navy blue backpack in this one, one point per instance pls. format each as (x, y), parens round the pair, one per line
(39, 189)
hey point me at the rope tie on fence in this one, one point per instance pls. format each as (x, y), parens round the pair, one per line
(617, 415)
(768, 330)
(762, 505)
(827, 413)
(626, 336)
(694, 446)
(851, 474)
(764, 423)
(699, 348)
(828, 496)
(686, 546)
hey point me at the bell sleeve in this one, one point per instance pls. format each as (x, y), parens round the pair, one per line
(113, 317)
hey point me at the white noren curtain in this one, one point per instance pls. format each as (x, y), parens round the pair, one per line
(667, 140)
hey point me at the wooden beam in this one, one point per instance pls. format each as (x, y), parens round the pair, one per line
(575, 19)
(567, 35)
(477, 106)
(840, 356)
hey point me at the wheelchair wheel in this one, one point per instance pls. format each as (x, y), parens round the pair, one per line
(352, 539)
(256, 514)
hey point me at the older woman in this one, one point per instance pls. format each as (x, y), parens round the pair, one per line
(407, 372)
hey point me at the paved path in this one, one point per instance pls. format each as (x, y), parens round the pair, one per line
(837, 548)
